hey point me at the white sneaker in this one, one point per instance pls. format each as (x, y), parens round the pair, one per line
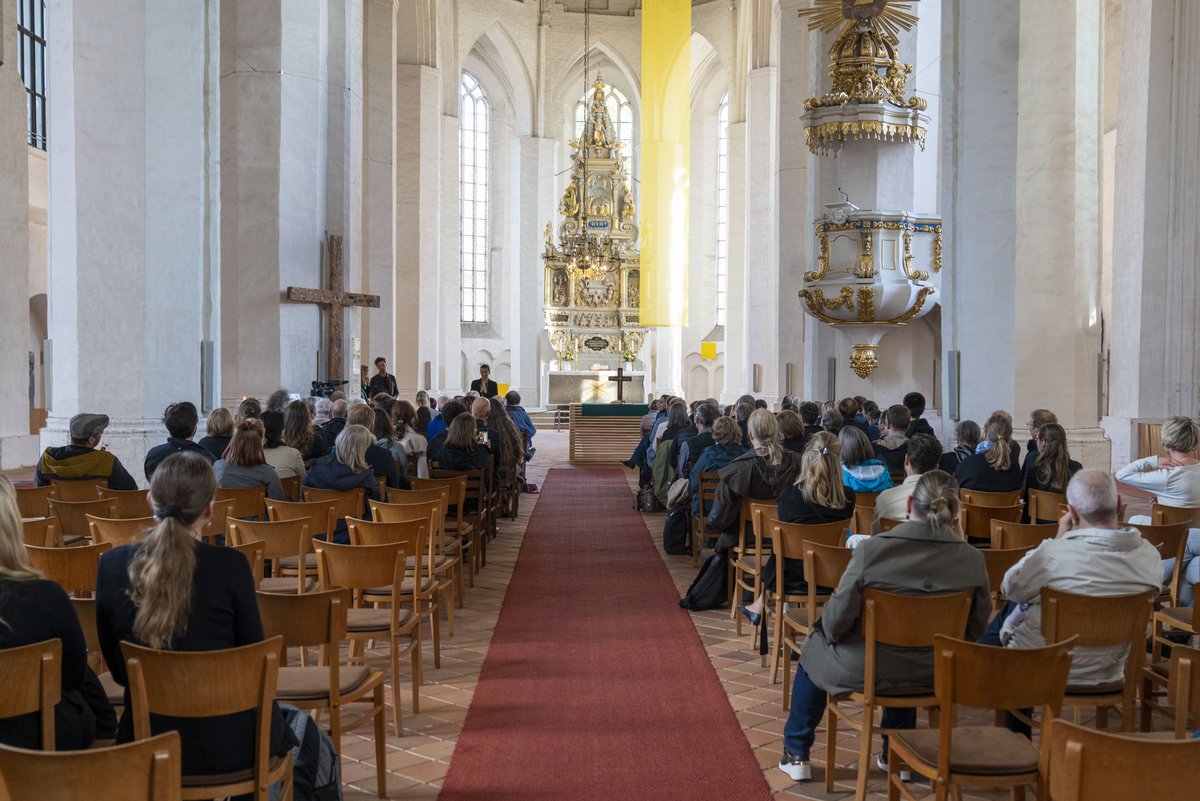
(905, 773)
(796, 768)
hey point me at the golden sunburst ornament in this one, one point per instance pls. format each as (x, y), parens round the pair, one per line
(888, 17)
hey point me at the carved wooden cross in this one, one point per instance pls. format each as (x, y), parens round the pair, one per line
(337, 299)
(620, 378)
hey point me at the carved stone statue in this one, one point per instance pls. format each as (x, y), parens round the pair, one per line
(569, 205)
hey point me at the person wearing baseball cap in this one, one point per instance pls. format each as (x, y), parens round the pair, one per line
(81, 459)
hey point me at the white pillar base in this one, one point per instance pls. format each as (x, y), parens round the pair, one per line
(1090, 447)
(19, 451)
(128, 438)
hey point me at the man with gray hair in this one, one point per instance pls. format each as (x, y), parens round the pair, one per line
(1093, 554)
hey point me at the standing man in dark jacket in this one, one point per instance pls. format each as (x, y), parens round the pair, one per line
(381, 382)
(181, 420)
(81, 459)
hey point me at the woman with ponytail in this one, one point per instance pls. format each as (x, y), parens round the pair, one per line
(998, 467)
(923, 556)
(759, 474)
(34, 609)
(170, 591)
(817, 496)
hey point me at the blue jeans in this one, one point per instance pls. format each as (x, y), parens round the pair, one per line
(808, 707)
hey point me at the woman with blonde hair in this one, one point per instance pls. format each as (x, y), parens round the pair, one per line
(218, 429)
(34, 609)
(817, 496)
(998, 468)
(170, 591)
(347, 468)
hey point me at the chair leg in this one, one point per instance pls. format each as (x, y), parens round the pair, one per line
(380, 743)
(1102, 718)
(864, 752)
(1017, 793)
(893, 779)
(831, 719)
(777, 639)
(435, 623)
(449, 607)
(418, 663)
(1147, 709)
(787, 672)
(394, 658)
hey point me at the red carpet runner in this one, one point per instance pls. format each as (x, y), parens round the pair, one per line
(596, 685)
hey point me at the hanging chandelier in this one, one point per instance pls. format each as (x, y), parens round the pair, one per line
(588, 252)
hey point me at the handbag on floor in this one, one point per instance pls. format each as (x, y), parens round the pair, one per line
(710, 589)
(647, 501)
(676, 532)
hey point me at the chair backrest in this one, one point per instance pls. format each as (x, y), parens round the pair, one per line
(1183, 689)
(823, 569)
(290, 487)
(360, 567)
(1163, 515)
(85, 610)
(474, 488)
(322, 515)
(706, 490)
(432, 511)
(72, 515)
(130, 503)
(997, 562)
(119, 532)
(247, 501)
(205, 684)
(32, 683)
(350, 503)
(1088, 765)
(73, 568)
(282, 539)
(909, 621)
(39, 531)
(866, 500)
(32, 501)
(149, 770)
(412, 535)
(756, 513)
(83, 489)
(253, 551)
(1043, 505)
(1169, 540)
(789, 539)
(864, 511)
(1007, 534)
(980, 498)
(219, 525)
(1097, 620)
(889, 523)
(977, 520)
(301, 621)
(457, 492)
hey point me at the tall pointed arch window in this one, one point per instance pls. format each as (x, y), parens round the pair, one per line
(620, 111)
(473, 124)
(31, 63)
(722, 208)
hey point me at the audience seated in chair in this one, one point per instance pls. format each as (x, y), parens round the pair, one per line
(416, 446)
(379, 458)
(915, 403)
(1050, 467)
(861, 471)
(1037, 419)
(923, 454)
(300, 433)
(997, 468)
(727, 446)
(345, 469)
(791, 432)
(245, 464)
(892, 443)
(691, 450)
(81, 460)
(288, 462)
(180, 420)
(218, 430)
(967, 435)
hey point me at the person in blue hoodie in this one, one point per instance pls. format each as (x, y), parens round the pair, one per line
(861, 471)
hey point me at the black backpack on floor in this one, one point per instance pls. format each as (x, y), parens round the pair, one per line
(710, 589)
(677, 531)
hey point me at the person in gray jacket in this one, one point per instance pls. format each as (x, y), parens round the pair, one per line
(923, 556)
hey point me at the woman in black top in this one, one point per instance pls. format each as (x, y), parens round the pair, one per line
(463, 449)
(997, 469)
(219, 430)
(1052, 466)
(299, 433)
(172, 592)
(34, 609)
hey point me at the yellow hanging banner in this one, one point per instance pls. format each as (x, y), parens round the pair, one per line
(666, 140)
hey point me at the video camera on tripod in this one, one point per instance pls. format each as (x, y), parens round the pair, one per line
(323, 389)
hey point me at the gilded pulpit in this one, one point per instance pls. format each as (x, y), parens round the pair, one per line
(592, 277)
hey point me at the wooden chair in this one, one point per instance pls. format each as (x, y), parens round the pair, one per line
(447, 559)
(992, 499)
(73, 568)
(1009, 534)
(319, 620)
(1176, 622)
(360, 568)
(706, 491)
(72, 517)
(907, 621)
(823, 569)
(85, 610)
(143, 771)
(864, 511)
(287, 539)
(1169, 541)
(119, 532)
(32, 683)
(457, 526)
(291, 488)
(184, 684)
(217, 529)
(1099, 621)
(322, 517)
(1183, 689)
(78, 490)
(131, 504)
(39, 531)
(987, 677)
(248, 502)
(787, 542)
(350, 503)
(418, 588)
(33, 501)
(997, 562)
(748, 556)
(1163, 515)
(1086, 765)
(1043, 506)
(473, 527)
(253, 551)
(976, 520)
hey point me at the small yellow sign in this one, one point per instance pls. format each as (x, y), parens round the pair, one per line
(708, 350)
(502, 387)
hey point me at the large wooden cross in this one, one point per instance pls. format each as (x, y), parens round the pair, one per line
(337, 299)
(620, 378)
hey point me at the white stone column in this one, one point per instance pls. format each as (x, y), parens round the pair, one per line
(1154, 366)
(379, 180)
(761, 235)
(537, 207)
(17, 447)
(128, 209)
(736, 369)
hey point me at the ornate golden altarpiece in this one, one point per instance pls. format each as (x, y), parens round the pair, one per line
(594, 319)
